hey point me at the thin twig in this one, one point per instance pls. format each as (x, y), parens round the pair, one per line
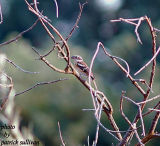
(133, 23)
(139, 112)
(88, 109)
(47, 62)
(39, 84)
(98, 115)
(88, 141)
(121, 109)
(151, 110)
(126, 20)
(1, 15)
(153, 34)
(19, 68)
(128, 69)
(155, 55)
(122, 68)
(136, 133)
(143, 82)
(57, 11)
(136, 29)
(60, 134)
(81, 6)
(19, 35)
(155, 121)
(49, 52)
(153, 98)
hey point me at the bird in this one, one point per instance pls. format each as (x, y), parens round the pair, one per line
(81, 66)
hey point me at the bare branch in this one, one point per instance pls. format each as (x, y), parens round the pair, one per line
(144, 82)
(81, 6)
(136, 133)
(39, 84)
(1, 15)
(88, 141)
(133, 23)
(49, 52)
(128, 69)
(153, 98)
(94, 94)
(155, 55)
(126, 20)
(121, 109)
(63, 144)
(122, 68)
(47, 62)
(151, 110)
(139, 112)
(19, 35)
(156, 110)
(153, 34)
(19, 68)
(155, 121)
(98, 113)
(136, 29)
(57, 11)
(43, 20)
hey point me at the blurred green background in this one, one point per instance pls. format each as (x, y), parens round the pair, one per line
(44, 106)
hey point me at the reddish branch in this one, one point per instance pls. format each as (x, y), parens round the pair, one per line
(39, 84)
(153, 34)
(1, 15)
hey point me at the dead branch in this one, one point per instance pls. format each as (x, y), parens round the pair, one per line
(60, 133)
(151, 134)
(39, 84)
(153, 34)
(131, 21)
(155, 55)
(151, 110)
(66, 57)
(81, 6)
(19, 35)
(98, 113)
(19, 68)
(122, 68)
(43, 20)
(1, 15)
(154, 122)
(121, 109)
(47, 62)
(94, 94)
(57, 11)
(153, 98)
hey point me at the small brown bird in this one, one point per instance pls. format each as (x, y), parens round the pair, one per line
(81, 66)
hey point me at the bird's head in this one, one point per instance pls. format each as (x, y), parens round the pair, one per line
(77, 58)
